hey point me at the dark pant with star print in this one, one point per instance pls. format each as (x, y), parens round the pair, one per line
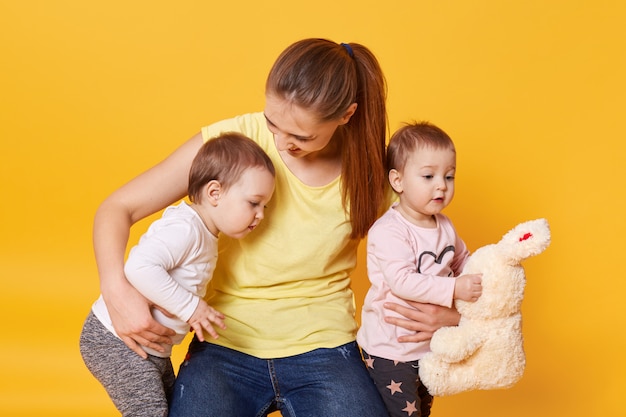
(400, 386)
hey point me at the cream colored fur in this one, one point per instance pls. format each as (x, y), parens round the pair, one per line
(485, 351)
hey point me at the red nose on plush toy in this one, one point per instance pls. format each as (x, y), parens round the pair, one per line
(526, 237)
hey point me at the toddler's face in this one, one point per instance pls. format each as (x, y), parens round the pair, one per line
(426, 184)
(242, 206)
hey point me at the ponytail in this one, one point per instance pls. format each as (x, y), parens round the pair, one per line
(363, 168)
(327, 78)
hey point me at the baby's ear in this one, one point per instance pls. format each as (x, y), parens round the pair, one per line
(212, 192)
(395, 179)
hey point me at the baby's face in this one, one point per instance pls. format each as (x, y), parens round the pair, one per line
(426, 183)
(242, 206)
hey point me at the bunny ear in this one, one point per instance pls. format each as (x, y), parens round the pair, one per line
(526, 240)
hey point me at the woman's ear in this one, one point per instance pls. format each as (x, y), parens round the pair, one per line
(348, 114)
(212, 192)
(395, 179)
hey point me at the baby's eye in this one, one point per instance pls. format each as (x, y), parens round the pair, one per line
(450, 177)
(254, 203)
(427, 177)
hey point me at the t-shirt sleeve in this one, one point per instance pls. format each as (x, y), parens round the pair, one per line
(251, 125)
(149, 262)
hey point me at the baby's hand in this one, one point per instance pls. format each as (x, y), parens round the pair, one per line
(202, 319)
(468, 287)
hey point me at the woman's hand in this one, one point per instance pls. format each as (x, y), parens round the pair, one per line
(134, 324)
(423, 319)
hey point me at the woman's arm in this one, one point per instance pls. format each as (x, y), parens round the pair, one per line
(146, 194)
(422, 318)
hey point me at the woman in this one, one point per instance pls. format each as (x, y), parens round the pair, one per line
(285, 290)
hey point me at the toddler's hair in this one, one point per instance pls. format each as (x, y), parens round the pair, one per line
(224, 158)
(411, 137)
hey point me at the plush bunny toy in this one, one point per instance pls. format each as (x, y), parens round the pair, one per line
(485, 351)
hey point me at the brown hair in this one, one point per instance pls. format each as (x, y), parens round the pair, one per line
(224, 158)
(411, 136)
(327, 77)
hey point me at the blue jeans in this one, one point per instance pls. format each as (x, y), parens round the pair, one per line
(214, 381)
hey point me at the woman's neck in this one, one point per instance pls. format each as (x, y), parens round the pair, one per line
(319, 168)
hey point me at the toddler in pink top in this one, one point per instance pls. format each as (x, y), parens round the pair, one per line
(415, 254)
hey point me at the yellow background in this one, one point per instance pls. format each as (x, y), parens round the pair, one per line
(532, 92)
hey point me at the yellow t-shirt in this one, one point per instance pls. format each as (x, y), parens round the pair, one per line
(285, 288)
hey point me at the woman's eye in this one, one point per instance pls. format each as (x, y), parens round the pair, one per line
(270, 125)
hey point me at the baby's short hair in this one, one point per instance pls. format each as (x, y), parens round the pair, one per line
(224, 158)
(411, 137)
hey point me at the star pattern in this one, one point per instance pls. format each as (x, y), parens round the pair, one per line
(394, 387)
(404, 375)
(410, 408)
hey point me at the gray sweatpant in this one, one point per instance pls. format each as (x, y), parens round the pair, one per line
(137, 386)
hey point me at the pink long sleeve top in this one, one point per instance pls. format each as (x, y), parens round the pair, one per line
(407, 262)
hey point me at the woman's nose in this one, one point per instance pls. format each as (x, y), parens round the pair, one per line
(282, 141)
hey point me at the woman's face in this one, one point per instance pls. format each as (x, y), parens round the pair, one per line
(297, 131)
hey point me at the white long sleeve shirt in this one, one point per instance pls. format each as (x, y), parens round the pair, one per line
(407, 262)
(171, 266)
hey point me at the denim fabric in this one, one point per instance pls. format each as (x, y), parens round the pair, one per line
(214, 381)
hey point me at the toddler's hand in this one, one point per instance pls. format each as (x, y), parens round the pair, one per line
(202, 319)
(468, 287)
